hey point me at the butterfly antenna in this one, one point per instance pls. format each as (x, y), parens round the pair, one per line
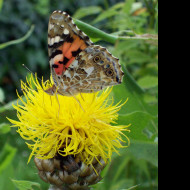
(81, 96)
(30, 71)
(34, 76)
(58, 103)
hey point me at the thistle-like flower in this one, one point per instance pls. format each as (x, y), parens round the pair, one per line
(71, 138)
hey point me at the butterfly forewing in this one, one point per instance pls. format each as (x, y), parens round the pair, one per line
(65, 42)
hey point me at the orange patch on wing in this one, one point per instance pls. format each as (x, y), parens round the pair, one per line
(60, 69)
(66, 47)
(76, 44)
(84, 46)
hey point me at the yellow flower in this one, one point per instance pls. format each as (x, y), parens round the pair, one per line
(60, 124)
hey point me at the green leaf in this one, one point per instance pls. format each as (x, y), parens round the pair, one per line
(138, 113)
(122, 184)
(85, 11)
(6, 156)
(112, 11)
(128, 6)
(93, 32)
(135, 94)
(106, 170)
(139, 121)
(121, 167)
(42, 7)
(5, 178)
(156, 15)
(9, 106)
(106, 14)
(138, 57)
(145, 150)
(4, 128)
(151, 99)
(148, 81)
(117, 6)
(20, 40)
(2, 95)
(1, 4)
(131, 90)
(25, 185)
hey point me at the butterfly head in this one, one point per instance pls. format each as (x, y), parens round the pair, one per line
(51, 91)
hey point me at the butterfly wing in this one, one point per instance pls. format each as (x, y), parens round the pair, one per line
(65, 42)
(77, 65)
(93, 69)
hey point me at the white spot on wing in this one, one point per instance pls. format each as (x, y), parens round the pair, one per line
(51, 41)
(51, 26)
(67, 74)
(51, 62)
(74, 64)
(90, 56)
(89, 70)
(57, 39)
(58, 57)
(66, 31)
(83, 33)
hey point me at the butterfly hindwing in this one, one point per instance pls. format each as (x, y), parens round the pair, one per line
(94, 69)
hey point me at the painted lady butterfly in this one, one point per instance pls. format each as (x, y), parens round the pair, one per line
(77, 65)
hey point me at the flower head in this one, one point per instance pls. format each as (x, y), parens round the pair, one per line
(65, 125)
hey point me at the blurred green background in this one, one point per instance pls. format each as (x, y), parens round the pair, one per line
(128, 28)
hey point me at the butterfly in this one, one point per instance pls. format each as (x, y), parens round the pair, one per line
(78, 65)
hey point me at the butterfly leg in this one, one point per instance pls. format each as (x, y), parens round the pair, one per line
(76, 99)
(57, 102)
(81, 96)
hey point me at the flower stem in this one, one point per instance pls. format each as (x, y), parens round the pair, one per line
(99, 34)
(12, 42)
